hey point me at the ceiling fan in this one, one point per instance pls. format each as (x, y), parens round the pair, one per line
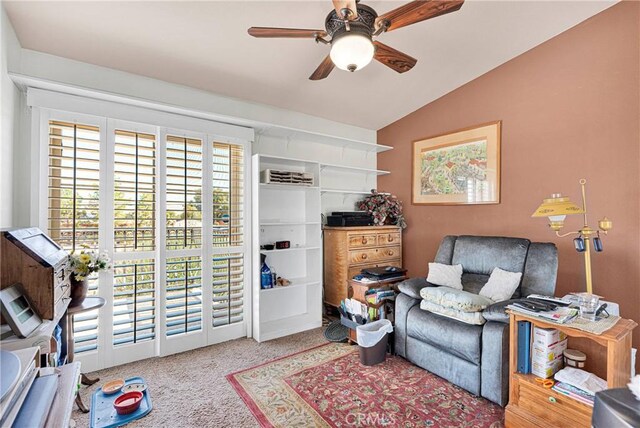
(351, 27)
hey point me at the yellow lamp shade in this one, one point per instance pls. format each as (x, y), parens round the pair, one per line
(557, 206)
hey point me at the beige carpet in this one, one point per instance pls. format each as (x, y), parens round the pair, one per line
(190, 389)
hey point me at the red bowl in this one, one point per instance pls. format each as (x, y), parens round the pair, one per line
(128, 402)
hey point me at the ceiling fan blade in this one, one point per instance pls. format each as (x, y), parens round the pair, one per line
(417, 11)
(323, 69)
(392, 58)
(346, 4)
(285, 32)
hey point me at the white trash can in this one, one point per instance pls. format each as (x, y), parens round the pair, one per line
(372, 340)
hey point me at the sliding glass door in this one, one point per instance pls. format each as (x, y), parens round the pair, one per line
(168, 206)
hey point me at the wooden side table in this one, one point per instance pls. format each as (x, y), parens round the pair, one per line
(357, 290)
(532, 405)
(89, 304)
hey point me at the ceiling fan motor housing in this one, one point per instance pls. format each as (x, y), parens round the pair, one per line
(364, 24)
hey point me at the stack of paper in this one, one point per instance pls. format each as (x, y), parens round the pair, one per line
(560, 315)
(573, 392)
(578, 384)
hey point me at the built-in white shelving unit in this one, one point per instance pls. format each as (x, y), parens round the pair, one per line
(344, 172)
(283, 212)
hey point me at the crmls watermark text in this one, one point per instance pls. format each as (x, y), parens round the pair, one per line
(369, 419)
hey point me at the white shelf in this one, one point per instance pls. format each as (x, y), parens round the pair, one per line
(286, 250)
(295, 282)
(290, 187)
(327, 166)
(294, 135)
(279, 160)
(346, 192)
(290, 223)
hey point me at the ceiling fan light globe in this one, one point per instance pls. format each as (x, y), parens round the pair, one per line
(352, 52)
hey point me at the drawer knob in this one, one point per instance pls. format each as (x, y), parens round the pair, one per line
(552, 400)
(391, 253)
(364, 256)
(390, 238)
(364, 241)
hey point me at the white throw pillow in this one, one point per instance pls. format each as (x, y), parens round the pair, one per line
(447, 275)
(501, 285)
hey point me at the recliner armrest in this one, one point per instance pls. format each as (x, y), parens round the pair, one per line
(411, 287)
(497, 311)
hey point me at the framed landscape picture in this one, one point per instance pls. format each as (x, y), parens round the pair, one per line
(461, 167)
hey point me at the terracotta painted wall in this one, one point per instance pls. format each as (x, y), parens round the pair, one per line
(570, 109)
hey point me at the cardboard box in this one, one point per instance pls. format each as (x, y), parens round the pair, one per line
(546, 370)
(547, 336)
(549, 353)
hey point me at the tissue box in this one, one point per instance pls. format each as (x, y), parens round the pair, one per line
(546, 369)
(547, 336)
(547, 354)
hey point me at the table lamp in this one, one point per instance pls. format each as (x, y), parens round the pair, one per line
(557, 208)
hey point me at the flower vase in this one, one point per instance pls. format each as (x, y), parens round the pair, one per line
(78, 291)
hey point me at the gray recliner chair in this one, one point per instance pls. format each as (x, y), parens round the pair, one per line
(474, 357)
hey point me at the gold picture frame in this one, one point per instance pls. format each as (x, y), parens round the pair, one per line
(458, 168)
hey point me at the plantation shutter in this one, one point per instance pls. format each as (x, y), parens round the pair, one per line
(183, 289)
(134, 191)
(134, 229)
(167, 206)
(73, 205)
(228, 220)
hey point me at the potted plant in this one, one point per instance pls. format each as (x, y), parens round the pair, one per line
(385, 208)
(82, 265)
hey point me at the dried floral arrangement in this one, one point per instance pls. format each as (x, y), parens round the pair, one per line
(385, 208)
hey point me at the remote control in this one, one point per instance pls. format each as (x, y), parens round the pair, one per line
(556, 300)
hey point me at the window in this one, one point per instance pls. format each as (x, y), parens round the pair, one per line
(184, 193)
(74, 205)
(134, 232)
(172, 222)
(228, 289)
(134, 201)
(134, 310)
(228, 214)
(74, 164)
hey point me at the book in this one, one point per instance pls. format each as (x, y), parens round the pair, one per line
(524, 347)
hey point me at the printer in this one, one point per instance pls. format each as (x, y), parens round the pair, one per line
(616, 407)
(349, 218)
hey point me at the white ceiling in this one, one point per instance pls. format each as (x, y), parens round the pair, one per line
(205, 45)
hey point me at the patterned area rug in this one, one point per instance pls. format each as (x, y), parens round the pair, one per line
(327, 386)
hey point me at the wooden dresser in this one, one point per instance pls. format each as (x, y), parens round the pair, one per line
(348, 250)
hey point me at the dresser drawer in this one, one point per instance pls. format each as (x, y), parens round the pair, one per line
(373, 255)
(355, 270)
(549, 405)
(364, 240)
(388, 238)
(62, 289)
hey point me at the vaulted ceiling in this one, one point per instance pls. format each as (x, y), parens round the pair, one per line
(205, 45)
